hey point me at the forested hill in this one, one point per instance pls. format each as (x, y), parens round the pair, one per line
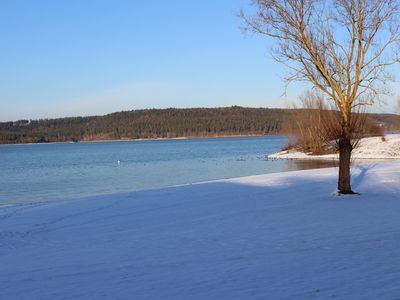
(160, 123)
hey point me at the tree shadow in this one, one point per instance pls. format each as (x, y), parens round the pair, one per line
(358, 179)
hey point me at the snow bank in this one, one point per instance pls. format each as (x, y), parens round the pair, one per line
(275, 236)
(369, 148)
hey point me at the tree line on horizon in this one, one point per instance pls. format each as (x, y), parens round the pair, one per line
(163, 123)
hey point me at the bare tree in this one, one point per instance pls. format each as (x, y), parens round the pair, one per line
(341, 47)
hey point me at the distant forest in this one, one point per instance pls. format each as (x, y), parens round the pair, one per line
(163, 123)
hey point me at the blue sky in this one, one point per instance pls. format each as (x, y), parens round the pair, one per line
(88, 57)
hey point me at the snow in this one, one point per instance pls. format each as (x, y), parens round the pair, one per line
(369, 148)
(274, 236)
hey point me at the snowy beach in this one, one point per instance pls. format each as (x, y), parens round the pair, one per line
(274, 236)
(375, 148)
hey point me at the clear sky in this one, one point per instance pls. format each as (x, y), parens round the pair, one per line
(88, 57)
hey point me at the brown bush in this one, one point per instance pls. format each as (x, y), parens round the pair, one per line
(318, 127)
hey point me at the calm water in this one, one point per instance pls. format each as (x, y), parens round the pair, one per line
(42, 172)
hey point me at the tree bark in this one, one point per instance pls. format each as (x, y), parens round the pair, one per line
(345, 149)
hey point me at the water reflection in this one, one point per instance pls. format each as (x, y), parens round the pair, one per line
(311, 164)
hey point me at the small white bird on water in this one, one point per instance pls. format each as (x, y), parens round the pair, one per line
(118, 162)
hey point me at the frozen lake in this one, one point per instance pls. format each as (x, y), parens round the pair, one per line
(41, 172)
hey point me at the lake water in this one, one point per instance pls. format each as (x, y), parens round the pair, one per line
(41, 172)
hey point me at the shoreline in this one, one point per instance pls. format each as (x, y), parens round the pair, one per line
(148, 139)
(173, 139)
(148, 190)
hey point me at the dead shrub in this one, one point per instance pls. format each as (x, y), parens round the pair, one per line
(318, 127)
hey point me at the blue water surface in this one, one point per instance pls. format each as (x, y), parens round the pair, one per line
(41, 172)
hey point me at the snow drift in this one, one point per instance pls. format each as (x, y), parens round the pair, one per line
(369, 148)
(275, 236)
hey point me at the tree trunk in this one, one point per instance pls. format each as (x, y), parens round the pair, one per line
(345, 149)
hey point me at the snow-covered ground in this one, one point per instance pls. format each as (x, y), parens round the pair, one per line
(275, 236)
(369, 148)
